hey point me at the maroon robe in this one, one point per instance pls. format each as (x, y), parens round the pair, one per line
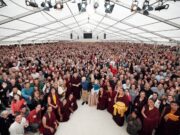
(151, 122)
(59, 103)
(68, 86)
(111, 96)
(49, 122)
(171, 127)
(72, 104)
(117, 118)
(76, 90)
(66, 112)
(102, 100)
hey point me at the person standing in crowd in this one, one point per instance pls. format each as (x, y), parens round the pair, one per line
(151, 117)
(102, 99)
(85, 86)
(111, 98)
(170, 121)
(120, 107)
(76, 86)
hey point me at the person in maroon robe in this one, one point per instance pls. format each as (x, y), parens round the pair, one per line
(76, 86)
(49, 122)
(66, 111)
(151, 118)
(34, 119)
(102, 99)
(120, 97)
(55, 103)
(68, 85)
(111, 96)
(170, 122)
(72, 102)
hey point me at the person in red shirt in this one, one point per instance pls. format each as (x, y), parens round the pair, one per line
(17, 104)
(34, 119)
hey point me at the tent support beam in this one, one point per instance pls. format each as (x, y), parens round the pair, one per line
(150, 15)
(36, 27)
(145, 30)
(47, 32)
(119, 33)
(125, 31)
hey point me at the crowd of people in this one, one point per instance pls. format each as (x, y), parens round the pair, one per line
(136, 83)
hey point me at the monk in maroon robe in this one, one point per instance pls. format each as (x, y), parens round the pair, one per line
(49, 122)
(68, 85)
(55, 103)
(72, 102)
(120, 97)
(151, 117)
(102, 100)
(66, 111)
(171, 120)
(111, 96)
(76, 86)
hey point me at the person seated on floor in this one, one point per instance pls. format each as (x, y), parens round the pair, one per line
(66, 111)
(102, 99)
(17, 103)
(72, 102)
(34, 119)
(49, 122)
(17, 128)
(134, 124)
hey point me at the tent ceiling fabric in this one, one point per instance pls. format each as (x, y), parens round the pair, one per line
(22, 24)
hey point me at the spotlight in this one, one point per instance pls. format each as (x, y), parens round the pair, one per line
(2, 4)
(160, 7)
(31, 3)
(58, 5)
(46, 5)
(82, 6)
(108, 7)
(96, 5)
(134, 6)
(146, 6)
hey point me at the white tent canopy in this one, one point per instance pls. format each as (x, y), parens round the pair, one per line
(24, 24)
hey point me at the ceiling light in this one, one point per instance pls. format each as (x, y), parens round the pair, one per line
(146, 6)
(108, 7)
(96, 5)
(2, 4)
(31, 3)
(134, 6)
(160, 7)
(58, 5)
(82, 6)
(46, 5)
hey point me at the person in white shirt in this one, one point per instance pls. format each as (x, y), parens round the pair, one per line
(17, 128)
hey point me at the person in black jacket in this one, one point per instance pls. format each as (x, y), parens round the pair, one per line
(6, 120)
